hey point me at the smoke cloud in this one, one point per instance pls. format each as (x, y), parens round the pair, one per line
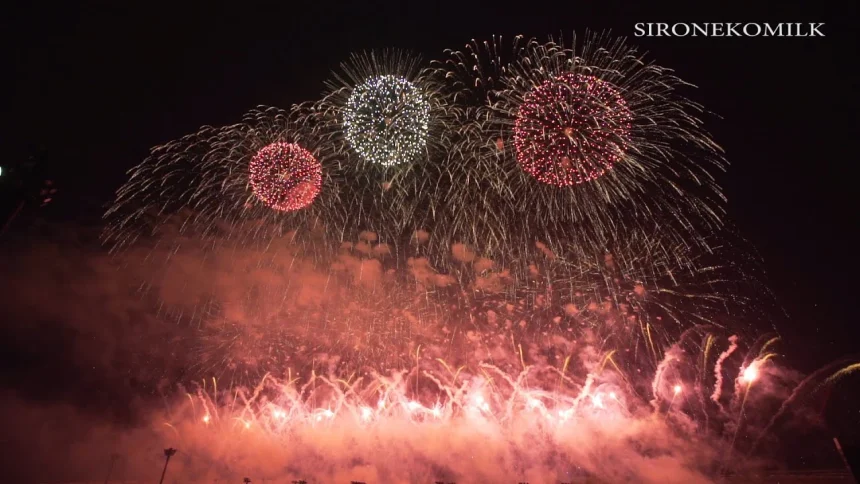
(330, 366)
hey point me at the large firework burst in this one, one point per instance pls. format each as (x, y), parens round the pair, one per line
(386, 120)
(571, 129)
(579, 144)
(383, 116)
(285, 176)
(267, 173)
(384, 108)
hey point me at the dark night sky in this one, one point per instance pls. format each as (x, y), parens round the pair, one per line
(98, 85)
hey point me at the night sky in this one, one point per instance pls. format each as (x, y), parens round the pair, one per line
(93, 87)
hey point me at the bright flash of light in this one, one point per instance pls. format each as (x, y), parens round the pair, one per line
(677, 389)
(206, 419)
(366, 413)
(481, 404)
(750, 373)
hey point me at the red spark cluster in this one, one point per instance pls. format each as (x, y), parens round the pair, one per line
(571, 129)
(285, 176)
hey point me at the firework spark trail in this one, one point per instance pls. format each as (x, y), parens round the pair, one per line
(514, 412)
(757, 351)
(837, 370)
(384, 404)
(263, 306)
(751, 370)
(718, 370)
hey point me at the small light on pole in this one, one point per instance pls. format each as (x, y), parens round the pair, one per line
(168, 453)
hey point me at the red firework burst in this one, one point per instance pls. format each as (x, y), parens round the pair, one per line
(571, 129)
(285, 176)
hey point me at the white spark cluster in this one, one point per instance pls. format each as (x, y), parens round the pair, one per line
(386, 119)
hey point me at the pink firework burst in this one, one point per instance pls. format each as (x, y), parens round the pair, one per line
(285, 176)
(571, 129)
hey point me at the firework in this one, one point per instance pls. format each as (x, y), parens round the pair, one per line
(227, 180)
(413, 255)
(386, 120)
(580, 145)
(383, 116)
(385, 108)
(572, 367)
(285, 176)
(539, 262)
(571, 129)
(436, 420)
(366, 302)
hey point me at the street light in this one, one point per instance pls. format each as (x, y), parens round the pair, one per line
(168, 453)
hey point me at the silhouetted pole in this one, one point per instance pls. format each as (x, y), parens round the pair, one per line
(168, 453)
(842, 455)
(113, 458)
